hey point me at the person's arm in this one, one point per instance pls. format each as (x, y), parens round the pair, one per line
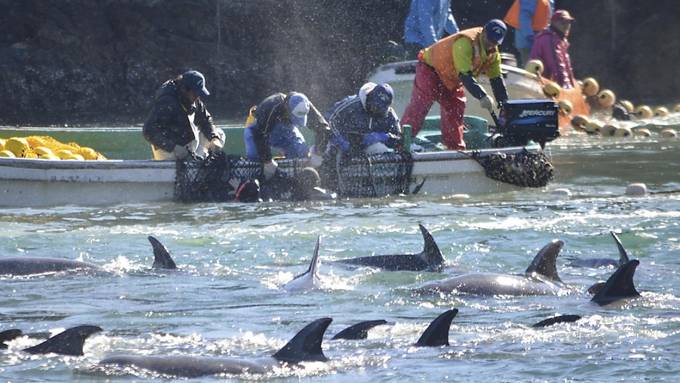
(159, 119)
(462, 56)
(207, 126)
(425, 9)
(500, 92)
(318, 124)
(525, 32)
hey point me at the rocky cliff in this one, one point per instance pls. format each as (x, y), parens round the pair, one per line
(70, 61)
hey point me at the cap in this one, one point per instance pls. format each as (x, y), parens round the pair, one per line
(298, 107)
(562, 14)
(376, 98)
(195, 81)
(495, 31)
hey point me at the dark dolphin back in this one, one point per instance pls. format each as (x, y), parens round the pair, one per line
(7, 335)
(306, 344)
(556, 320)
(545, 262)
(431, 254)
(623, 255)
(69, 342)
(359, 330)
(619, 285)
(437, 333)
(161, 256)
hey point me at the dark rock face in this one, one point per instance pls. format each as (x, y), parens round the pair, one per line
(69, 61)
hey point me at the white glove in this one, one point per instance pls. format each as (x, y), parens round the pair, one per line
(378, 148)
(181, 152)
(215, 145)
(269, 168)
(415, 148)
(486, 102)
(315, 160)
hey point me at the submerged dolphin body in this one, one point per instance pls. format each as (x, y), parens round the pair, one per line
(310, 278)
(540, 278)
(40, 265)
(429, 259)
(305, 346)
(604, 262)
(619, 286)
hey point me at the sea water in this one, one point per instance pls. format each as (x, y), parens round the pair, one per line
(225, 300)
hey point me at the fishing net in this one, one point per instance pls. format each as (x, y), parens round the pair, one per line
(374, 175)
(527, 169)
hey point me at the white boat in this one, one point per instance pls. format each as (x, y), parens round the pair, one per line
(38, 183)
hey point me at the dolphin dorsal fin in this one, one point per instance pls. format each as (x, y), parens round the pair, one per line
(623, 255)
(359, 330)
(619, 285)
(314, 264)
(306, 344)
(7, 335)
(161, 256)
(437, 333)
(431, 254)
(556, 320)
(69, 342)
(545, 262)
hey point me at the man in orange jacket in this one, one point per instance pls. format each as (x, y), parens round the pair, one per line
(528, 17)
(448, 67)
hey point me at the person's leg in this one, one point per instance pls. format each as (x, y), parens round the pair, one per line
(422, 97)
(452, 108)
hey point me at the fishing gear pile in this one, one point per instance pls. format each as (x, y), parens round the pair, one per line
(523, 168)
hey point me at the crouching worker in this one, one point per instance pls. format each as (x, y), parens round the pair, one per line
(278, 120)
(179, 124)
(365, 122)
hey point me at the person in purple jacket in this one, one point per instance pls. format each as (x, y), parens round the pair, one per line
(552, 48)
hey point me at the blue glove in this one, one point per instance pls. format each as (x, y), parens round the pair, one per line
(372, 138)
(341, 142)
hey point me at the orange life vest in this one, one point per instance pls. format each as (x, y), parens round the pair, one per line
(539, 22)
(440, 57)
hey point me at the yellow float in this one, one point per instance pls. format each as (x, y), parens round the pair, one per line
(551, 89)
(643, 111)
(608, 130)
(676, 109)
(628, 105)
(623, 131)
(661, 111)
(534, 66)
(593, 127)
(643, 132)
(590, 87)
(668, 134)
(606, 98)
(566, 107)
(7, 154)
(18, 145)
(579, 122)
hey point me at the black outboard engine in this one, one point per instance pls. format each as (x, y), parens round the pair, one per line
(523, 120)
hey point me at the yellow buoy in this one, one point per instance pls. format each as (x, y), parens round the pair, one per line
(608, 130)
(668, 133)
(606, 98)
(593, 127)
(565, 107)
(643, 111)
(676, 109)
(7, 154)
(2, 143)
(35, 141)
(77, 156)
(643, 132)
(623, 131)
(18, 145)
(551, 89)
(590, 86)
(64, 154)
(628, 105)
(88, 153)
(661, 111)
(534, 66)
(43, 151)
(579, 121)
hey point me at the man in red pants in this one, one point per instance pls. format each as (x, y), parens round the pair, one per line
(447, 66)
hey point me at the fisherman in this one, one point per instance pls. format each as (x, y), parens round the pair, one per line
(179, 124)
(278, 119)
(365, 121)
(426, 23)
(528, 17)
(552, 48)
(448, 67)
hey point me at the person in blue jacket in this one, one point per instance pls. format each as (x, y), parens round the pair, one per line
(365, 121)
(426, 23)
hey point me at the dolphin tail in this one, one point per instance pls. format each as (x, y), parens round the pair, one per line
(437, 333)
(359, 330)
(7, 335)
(161, 256)
(623, 255)
(306, 344)
(619, 285)
(431, 252)
(556, 320)
(545, 262)
(69, 342)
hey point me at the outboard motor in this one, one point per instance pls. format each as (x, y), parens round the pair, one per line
(523, 120)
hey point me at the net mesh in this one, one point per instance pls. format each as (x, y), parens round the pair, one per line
(374, 175)
(526, 169)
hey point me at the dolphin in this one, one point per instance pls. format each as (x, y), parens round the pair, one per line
(557, 319)
(67, 342)
(7, 335)
(310, 278)
(359, 330)
(305, 346)
(604, 262)
(619, 285)
(437, 333)
(540, 278)
(430, 259)
(40, 265)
